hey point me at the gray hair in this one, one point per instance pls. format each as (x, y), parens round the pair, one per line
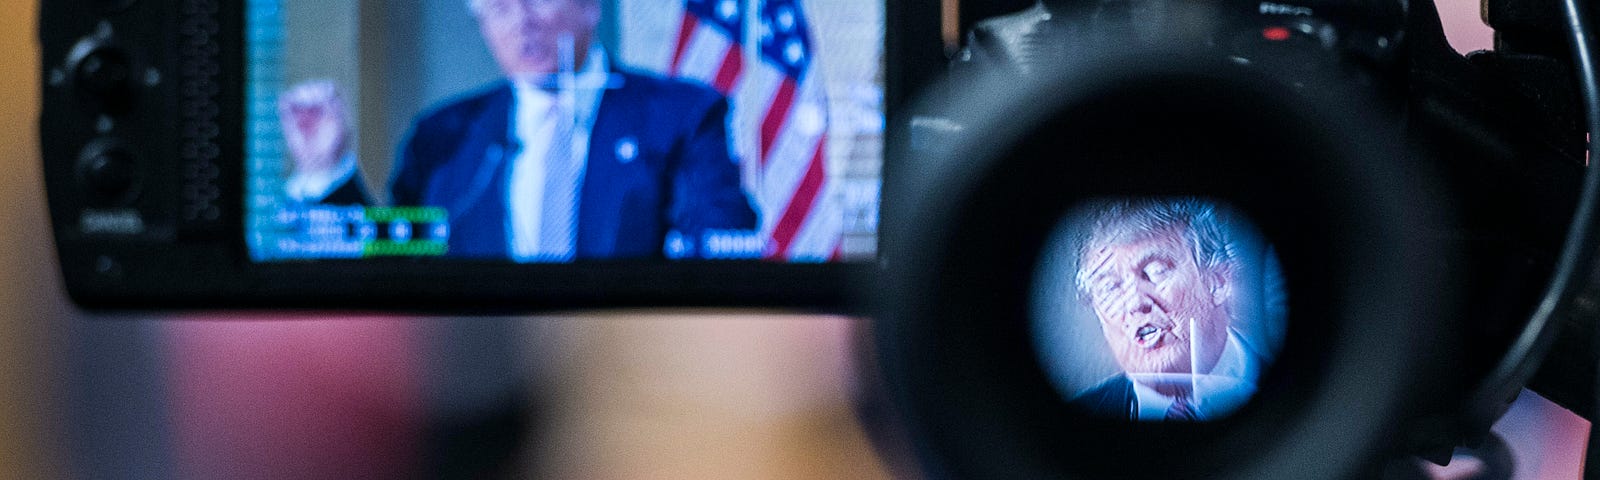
(1201, 223)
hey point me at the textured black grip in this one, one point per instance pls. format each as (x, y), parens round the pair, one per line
(199, 88)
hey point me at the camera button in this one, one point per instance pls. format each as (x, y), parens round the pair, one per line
(106, 75)
(109, 175)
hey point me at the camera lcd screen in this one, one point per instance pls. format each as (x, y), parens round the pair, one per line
(552, 131)
(1158, 309)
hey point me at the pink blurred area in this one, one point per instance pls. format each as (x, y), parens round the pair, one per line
(643, 395)
(1541, 440)
(294, 398)
(1463, 25)
(1548, 442)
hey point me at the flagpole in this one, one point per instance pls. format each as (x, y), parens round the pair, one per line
(751, 43)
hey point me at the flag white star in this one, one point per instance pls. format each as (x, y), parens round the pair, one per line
(794, 53)
(786, 19)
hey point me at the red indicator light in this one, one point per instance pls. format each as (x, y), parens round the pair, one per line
(1276, 34)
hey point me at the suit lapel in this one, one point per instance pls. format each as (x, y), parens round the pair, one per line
(478, 177)
(600, 208)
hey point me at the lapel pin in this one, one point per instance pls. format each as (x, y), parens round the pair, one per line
(627, 149)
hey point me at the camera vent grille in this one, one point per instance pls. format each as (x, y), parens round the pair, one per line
(199, 110)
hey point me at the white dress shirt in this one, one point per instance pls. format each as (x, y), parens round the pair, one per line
(573, 99)
(1227, 387)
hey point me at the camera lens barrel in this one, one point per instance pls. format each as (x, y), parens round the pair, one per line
(994, 163)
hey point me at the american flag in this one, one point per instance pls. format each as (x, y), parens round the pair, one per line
(708, 47)
(780, 118)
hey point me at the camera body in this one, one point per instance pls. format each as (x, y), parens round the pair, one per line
(167, 163)
(1418, 199)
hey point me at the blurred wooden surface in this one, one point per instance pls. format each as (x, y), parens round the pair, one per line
(700, 395)
(30, 295)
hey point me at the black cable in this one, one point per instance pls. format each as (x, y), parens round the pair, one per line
(1574, 256)
(1574, 265)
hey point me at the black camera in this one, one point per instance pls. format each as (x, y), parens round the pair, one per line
(449, 156)
(1164, 239)
(1123, 238)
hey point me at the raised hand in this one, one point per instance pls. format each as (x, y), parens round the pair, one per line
(315, 125)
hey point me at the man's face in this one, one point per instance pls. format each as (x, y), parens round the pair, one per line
(526, 36)
(1146, 293)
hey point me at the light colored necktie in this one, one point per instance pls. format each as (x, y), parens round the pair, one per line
(1181, 410)
(558, 230)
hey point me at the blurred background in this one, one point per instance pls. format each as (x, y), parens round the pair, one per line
(614, 395)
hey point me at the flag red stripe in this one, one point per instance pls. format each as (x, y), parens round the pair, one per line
(776, 116)
(732, 66)
(685, 33)
(800, 204)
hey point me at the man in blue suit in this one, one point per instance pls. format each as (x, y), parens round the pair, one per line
(1159, 275)
(572, 157)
